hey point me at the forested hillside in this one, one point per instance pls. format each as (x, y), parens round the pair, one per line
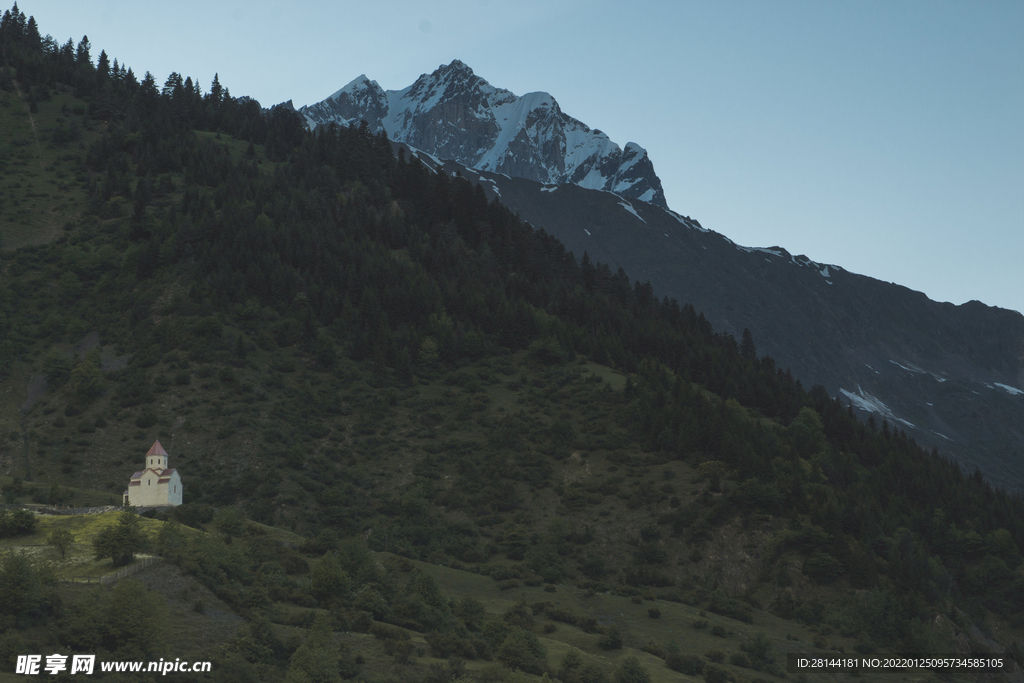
(333, 340)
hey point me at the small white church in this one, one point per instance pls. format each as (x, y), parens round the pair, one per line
(156, 484)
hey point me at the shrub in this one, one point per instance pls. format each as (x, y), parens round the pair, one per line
(329, 584)
(691, 665)
(729, 607)
(631, 671)
(522, 650)
(594, 568)
(822, 567)
(562, 615)
(759, 649)
(494, 632)
(401, 650)
(715, 674)
(739, 659)
(146, 419)
(451, 645)
(16, 523)
(655, 648)
(519, 615)
(193, 514)
(611, 640)
(382, 631)
(470, 610)
(574, 670)
(546, 351)
(229, 521)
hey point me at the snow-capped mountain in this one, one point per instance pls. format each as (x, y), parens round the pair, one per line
(454, 114)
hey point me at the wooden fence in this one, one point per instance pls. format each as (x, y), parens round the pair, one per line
(127, 570)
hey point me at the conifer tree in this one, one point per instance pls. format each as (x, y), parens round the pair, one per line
(747, 348)
(216, 91)
(120, 542)
(82, 57)
(103, 65)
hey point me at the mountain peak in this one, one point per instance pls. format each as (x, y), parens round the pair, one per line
(454, 114)
(360, 82)
(456, 65)
(456, 71)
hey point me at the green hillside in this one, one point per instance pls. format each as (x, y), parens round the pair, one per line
(420, 441)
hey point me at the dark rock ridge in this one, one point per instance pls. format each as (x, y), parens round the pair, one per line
(454, 114)
(951, 377)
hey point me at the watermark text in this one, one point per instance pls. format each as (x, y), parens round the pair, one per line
(42, 665)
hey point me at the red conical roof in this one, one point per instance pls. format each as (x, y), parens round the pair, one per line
(157, 449)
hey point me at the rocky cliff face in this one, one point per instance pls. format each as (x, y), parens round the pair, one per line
(454, 114)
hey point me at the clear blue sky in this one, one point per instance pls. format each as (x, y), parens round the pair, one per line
(886, 137)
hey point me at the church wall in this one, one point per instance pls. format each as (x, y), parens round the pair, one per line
(149, 492)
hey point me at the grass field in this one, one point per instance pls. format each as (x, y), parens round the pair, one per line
(78, 561)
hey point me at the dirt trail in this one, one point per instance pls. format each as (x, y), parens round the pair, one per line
(32, 121)
(34, 388)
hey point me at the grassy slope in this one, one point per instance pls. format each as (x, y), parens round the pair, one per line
(39, 186)
(78, 562)
(195, 630)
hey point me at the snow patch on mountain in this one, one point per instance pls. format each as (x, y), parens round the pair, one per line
(629, 207)
(773, 252)
(866, 401)
(687, 221)
(912, 368)
(1013, 391)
